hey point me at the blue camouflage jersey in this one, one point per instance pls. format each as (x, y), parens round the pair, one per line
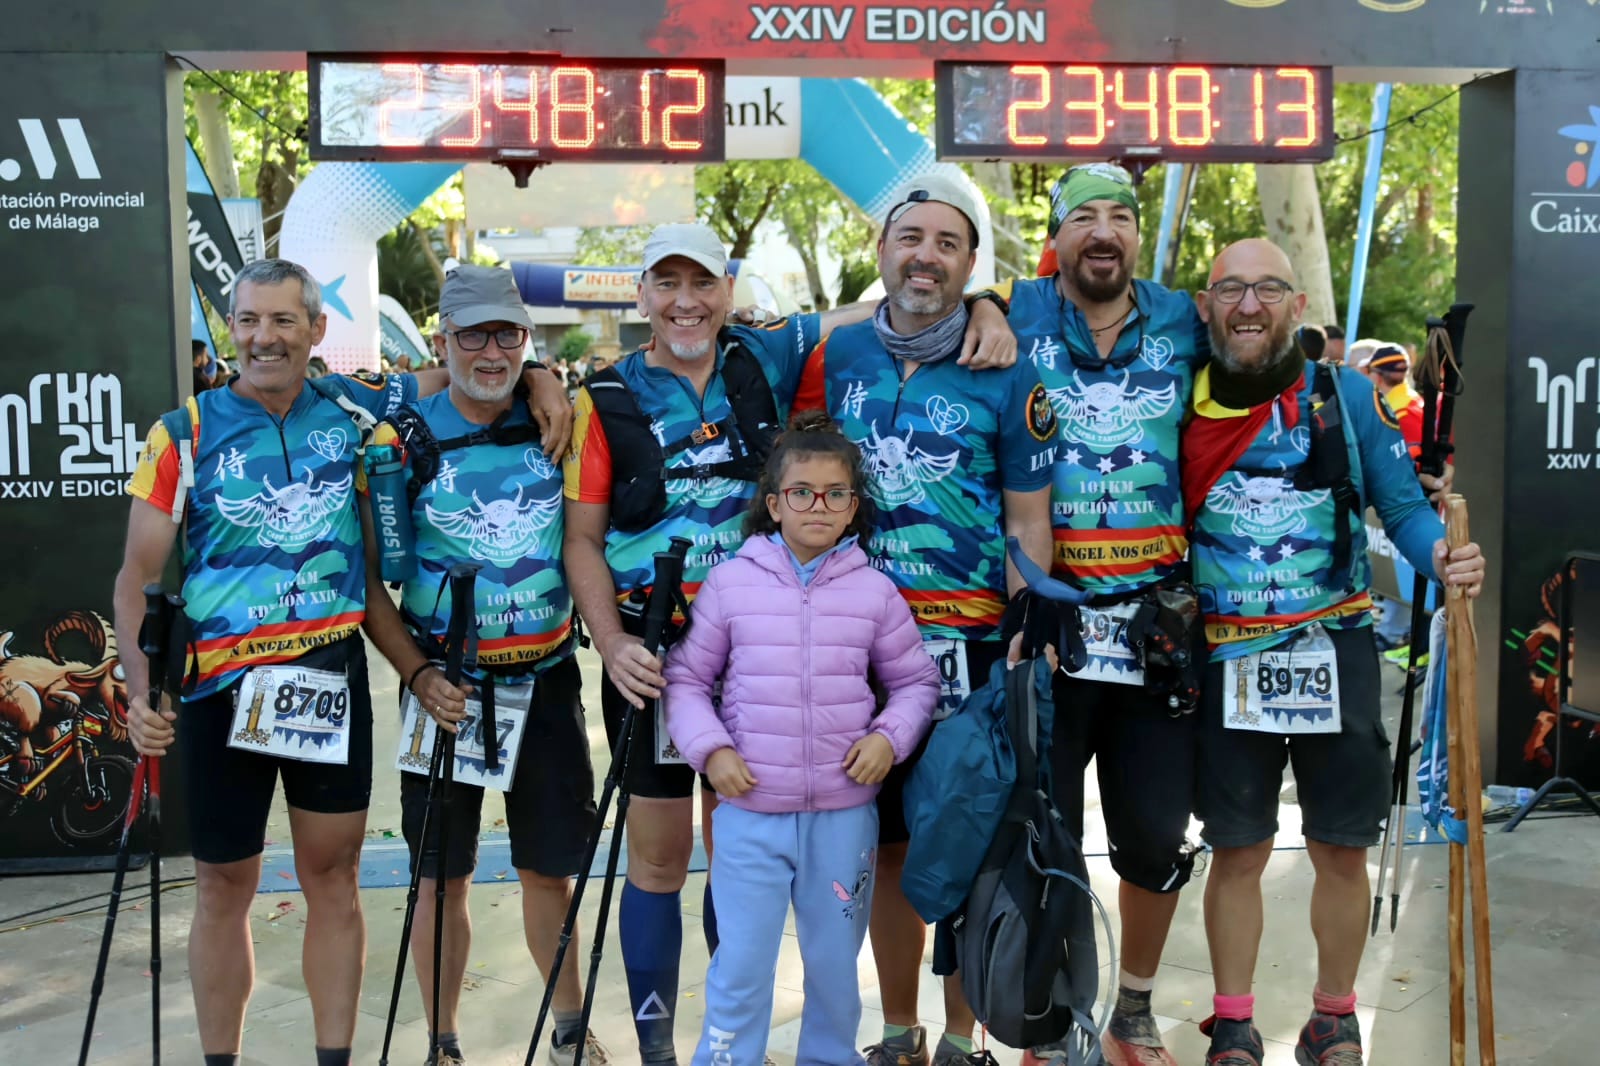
(498, 505)
(709, 512)
(939, 448)
(273, 562)
(1263, 549)
(1116, 504)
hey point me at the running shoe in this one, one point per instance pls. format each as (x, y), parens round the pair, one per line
(594, 1052)
(1330, 1040)
(1134, 1040)
(445, 1057)
(1233, 1043)
(947, 1054)
(908, 1049)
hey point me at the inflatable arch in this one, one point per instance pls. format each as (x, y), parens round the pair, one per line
(848, 132)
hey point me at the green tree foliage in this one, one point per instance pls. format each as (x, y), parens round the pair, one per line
(572, 346)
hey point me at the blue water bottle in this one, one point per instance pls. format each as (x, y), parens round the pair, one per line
(391, 513)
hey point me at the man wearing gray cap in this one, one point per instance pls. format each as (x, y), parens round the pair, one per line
(670, 442)
(480, 490)
(958, 462)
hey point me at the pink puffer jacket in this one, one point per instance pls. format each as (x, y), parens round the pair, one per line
(794, 665)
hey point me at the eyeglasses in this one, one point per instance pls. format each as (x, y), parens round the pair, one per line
(512, 338)
(1268, 291)
(802, 499)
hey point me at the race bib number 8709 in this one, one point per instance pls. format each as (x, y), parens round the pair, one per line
(293, 712)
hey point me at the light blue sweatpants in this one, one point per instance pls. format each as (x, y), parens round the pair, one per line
(821, 861)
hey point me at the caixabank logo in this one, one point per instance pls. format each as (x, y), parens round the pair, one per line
(1575, 210)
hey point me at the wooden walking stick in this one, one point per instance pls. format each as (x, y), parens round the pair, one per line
(1466, 785)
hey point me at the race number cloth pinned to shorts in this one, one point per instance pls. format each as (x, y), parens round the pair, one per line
(1105, 639)
(1293, 688)
(293, 712)
(511, 703)
(949, 654)
(667, 753)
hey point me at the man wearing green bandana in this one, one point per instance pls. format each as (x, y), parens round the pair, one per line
(1117, 358)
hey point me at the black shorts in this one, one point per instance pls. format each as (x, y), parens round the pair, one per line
(229, 792)
(550, 812)
(892, 829)
(1342, 779)
(646, 778)
(1144, 757)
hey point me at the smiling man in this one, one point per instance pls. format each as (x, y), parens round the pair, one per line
(480, 490)
(957, 461)
(670, 442)
(1281, 458)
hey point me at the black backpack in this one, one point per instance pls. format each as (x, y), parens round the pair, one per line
(1025, 940)
(639, 470)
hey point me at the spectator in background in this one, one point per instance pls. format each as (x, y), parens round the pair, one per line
(1334, 353)
(1359, 354)
(1313, 341)
(205, 367)
(316, 367)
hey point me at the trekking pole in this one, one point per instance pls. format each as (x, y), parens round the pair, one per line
(665, 592)
(443, 750)
(1466, 784)
(463, 578)
(1439, 381)
(153, 634)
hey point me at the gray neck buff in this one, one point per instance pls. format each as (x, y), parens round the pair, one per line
(941, 339)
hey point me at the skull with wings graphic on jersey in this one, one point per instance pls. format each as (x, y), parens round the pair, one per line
(1265, 508)
(1107, 415)
(899, 469)
(500, 531)
(292, 516)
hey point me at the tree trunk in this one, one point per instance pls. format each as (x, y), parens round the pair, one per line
(1012, 256)
(218, 142)
(1424, 219)
(427, 251)
(1293, 210)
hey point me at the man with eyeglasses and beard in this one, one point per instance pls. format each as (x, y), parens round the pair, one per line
(481, 490)
(1280, 458)
(1117, 358)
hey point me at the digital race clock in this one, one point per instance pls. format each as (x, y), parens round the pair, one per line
(1183, 112)
(537, 109)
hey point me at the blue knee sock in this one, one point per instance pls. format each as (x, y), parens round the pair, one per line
(708, 913)
(651, 927)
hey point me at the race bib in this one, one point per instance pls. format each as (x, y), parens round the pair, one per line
(293, 712)
(1105, 637)
(949, 654)
(1288, 690)
(417, 729)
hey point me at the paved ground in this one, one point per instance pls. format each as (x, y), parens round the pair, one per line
(1543, 882)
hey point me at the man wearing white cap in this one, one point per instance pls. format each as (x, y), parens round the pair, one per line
(958, 462)
(670, 442)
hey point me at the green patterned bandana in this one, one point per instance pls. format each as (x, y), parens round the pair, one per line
(1094, 181)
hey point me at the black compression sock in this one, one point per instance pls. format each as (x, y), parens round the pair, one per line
(227, 1059)
(332, 1056)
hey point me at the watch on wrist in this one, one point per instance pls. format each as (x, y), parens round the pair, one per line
(993, 297)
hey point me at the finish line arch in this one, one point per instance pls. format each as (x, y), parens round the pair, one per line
(848, 132)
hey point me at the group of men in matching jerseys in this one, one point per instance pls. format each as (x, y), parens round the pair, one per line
(1131, 439)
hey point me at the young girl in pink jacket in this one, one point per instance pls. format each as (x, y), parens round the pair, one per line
(791, 625)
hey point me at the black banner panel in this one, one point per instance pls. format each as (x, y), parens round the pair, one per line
(1551, 404)
(87, 297)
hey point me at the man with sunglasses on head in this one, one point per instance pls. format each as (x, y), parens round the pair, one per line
(481, 490)
(956, 462)
(1117, 357)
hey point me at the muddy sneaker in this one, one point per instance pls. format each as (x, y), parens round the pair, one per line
(1330, 1040)
(1133, 1038)
(908, 1049)
(1045, 1055)
(947, 1054)
(594, 1052)
(1233, 1043)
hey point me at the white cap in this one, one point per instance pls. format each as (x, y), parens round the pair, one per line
(937, 187)
(691, 240)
